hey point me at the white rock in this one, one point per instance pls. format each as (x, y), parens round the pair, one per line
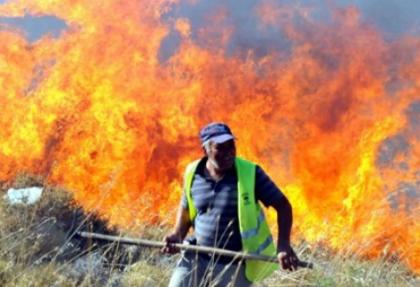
(28, 195)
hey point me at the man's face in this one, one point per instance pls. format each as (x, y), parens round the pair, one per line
(222, 155)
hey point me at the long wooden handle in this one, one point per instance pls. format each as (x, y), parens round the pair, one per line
(201, 249)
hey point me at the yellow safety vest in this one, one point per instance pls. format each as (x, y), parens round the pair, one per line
(255, 233)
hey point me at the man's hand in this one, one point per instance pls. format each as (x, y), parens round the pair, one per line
(287, 257)
(170, 240)
(182, 225)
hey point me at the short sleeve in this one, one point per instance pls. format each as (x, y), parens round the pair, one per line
(266, 190)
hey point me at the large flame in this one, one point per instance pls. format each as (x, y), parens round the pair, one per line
(332, 116)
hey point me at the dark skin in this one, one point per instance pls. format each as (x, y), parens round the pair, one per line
(221, 158)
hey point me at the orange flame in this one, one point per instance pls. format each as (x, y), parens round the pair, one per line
(96, 110)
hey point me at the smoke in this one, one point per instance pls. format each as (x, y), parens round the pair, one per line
(240, 18)
(394, 18)
(34, 27)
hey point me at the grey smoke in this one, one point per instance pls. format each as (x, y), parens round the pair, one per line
(35, 27)
(390, 148)
(405, 197)
(392, 17)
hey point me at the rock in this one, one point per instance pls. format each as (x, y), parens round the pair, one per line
(29, 195)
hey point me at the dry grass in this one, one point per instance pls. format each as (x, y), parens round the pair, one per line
(36, 241)
(343, 270)
(31, 256)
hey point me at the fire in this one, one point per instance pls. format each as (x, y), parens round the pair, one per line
(332, 116)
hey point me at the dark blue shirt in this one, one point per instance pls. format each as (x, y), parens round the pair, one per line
(216, 223)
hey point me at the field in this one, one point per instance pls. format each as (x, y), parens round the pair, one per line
(38, 247)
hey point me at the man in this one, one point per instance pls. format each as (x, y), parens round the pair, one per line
(220, 200)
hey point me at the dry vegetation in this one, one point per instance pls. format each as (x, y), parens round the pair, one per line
(38, 247)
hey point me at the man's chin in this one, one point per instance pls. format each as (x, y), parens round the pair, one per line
(226, 166)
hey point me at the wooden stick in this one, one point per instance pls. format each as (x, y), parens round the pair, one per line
(200, 249)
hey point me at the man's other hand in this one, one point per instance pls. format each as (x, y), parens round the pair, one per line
(287, 257)
(170, 240)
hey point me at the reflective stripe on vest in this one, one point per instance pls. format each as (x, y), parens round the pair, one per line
(255, 233)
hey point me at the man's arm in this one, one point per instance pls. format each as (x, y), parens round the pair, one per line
(285, 252)
(269, 194)
(284, 220)
(182, 226)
